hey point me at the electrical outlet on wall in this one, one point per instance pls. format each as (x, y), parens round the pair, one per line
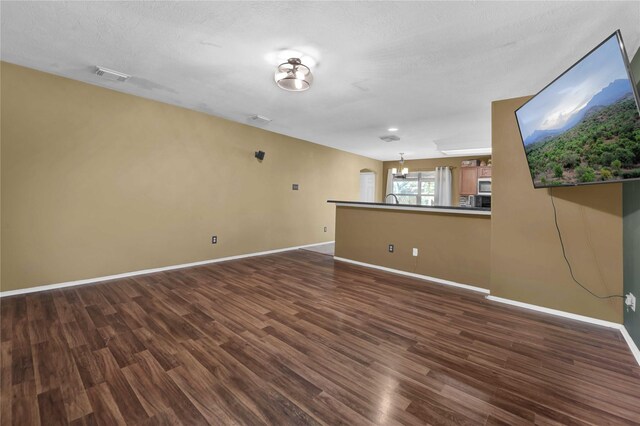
(391, 248)
(630, 301)
(214, 239)
(415, 251)
(325, 229)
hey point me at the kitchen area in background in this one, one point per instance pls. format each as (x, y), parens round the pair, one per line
(475, 183)
(434, 221)
(414, 182)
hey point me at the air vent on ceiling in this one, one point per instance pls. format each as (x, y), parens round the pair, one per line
(112, 75)
(390, 138)
(259, 120)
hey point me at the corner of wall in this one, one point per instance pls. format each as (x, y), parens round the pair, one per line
(631, 236)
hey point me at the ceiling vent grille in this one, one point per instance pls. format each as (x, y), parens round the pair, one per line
(112, 75)
(390, 138)
(259, 120)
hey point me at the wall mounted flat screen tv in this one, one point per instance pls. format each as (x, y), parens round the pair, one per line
(584, 127)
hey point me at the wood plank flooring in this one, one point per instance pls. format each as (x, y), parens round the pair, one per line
(296, 338)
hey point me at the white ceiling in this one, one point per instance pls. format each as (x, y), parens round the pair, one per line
(429, 68)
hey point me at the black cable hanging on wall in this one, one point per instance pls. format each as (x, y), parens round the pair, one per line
(564, 254)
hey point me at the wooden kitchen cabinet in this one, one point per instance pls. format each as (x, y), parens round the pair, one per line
(484, 172)
(469, 180)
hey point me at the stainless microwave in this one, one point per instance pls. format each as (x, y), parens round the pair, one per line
(484, 186)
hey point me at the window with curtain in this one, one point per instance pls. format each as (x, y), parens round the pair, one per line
(417, 188)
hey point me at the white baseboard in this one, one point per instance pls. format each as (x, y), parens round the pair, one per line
(632, 345)
(411, 274)
(149, 271)
(556, 312)
(625, 334)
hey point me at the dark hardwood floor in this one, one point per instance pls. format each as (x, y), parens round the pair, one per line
(295, 338)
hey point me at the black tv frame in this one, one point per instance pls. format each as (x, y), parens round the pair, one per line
(634, 88)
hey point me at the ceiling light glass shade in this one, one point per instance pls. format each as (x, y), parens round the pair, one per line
(293, 76)
(404, 171)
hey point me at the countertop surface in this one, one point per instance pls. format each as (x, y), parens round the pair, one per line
(412, 207)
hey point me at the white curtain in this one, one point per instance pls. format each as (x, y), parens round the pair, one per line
(443, 186)
(389, 187)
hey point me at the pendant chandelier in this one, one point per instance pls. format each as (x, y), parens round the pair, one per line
(293, 76)
(401, 172)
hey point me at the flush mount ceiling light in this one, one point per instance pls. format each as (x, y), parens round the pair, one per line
(293, 76)
(392, 129)
(307, 55)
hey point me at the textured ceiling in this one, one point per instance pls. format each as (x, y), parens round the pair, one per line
(429, 68)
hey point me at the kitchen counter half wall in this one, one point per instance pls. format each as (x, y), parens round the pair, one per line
(451, 247)
(410, 207)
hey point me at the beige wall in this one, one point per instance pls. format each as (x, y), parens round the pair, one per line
(428, 164)
(96, 182)
(450, 246)
(526, 259)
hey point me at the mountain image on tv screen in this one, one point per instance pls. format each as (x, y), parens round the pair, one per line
(585, 126)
